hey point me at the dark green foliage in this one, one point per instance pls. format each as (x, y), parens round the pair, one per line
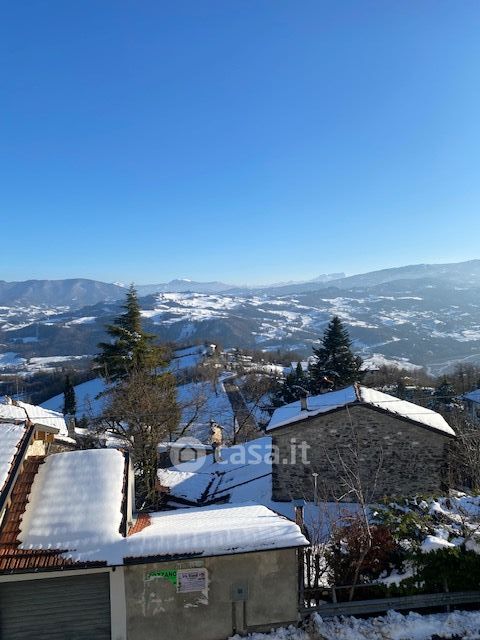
(455, 568)
(131, 348)
(452, 568)
(294, 387)
(401, 390)
(334, 359)
(444, 394)
(404, 523)
(69, 400)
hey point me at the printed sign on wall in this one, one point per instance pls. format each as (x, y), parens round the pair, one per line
(166, 574)
(190, 580)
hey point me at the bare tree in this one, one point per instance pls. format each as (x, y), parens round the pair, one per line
(357, 483)
(464, 452)
(142, 411)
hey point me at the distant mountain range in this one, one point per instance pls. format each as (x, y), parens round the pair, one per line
(419, 314)
(74, 293)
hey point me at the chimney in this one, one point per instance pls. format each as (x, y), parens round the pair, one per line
(70, 420)
(303, 402)
(299, 513)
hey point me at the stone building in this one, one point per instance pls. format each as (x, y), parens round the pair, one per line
(357, 439)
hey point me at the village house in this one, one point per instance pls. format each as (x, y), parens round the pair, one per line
(472, 404)
(338, 444)
(75, 561)
(51, 422)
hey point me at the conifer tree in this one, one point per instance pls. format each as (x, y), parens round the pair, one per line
(444, 394)
(334, 360)
(69, 400)
(294, 386)
(130, 348)
(141, 406)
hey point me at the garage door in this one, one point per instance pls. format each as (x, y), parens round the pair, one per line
(67, 608)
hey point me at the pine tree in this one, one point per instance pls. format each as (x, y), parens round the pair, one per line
(335, 364)
(69, 400)
(294, 387)
(141, 405)
(131, 348)
(444, 394)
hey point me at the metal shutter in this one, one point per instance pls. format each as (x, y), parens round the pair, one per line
(67, 608)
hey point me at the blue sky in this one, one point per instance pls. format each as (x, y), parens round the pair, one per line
(241, 140)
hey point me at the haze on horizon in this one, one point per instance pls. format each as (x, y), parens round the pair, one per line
(242, 142)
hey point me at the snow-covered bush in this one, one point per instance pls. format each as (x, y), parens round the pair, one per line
(439, 543)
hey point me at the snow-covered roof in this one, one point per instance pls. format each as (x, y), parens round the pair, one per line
(241, 473)
(17, 411)
(75, 507)
(214, 530)
(473, 396)
(75, 502)
(358, 394)
(11, 436)
(44, 417)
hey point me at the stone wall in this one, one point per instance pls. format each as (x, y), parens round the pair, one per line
(156, 609)
(394, 457)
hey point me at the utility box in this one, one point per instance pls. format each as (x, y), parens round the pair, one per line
(239, 592)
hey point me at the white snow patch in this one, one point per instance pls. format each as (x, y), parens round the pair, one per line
(75, 502)
(10, 438)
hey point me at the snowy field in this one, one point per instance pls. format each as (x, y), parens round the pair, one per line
(393, 626)
(86, 396)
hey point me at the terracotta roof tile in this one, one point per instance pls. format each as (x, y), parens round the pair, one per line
(12, 558)
(143, 521)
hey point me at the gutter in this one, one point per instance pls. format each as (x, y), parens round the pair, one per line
(16, 465)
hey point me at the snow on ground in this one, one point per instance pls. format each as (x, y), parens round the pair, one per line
(86, 397)
(11, 360)
(201, 402)
(243, 473)
(377, 360)
(82, 320)
(392, 626)
(187, 358)
(173, 307)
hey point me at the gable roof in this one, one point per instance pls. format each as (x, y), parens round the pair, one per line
(63, 506)
(358, 394)
(75, 502)
(473, 396)
(18, 411)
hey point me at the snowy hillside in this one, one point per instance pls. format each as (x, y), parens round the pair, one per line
(413, 316)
